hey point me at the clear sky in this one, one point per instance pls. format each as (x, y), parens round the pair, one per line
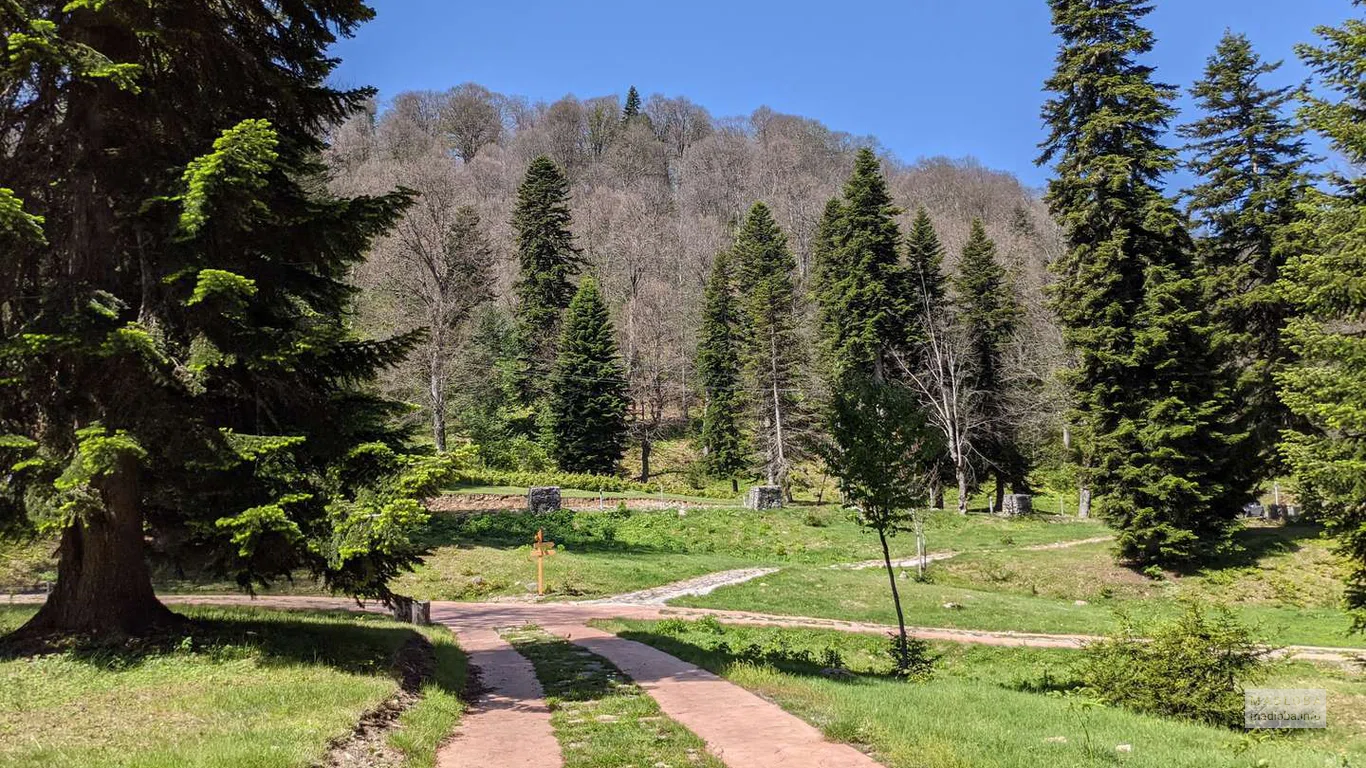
(926, 77)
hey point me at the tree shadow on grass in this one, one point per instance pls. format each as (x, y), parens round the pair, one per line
(1251, 544)
(351, 643)
(719, 656)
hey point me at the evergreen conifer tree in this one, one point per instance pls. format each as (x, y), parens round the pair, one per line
(548, 260)
(925, 260)
(1147, 382)
(863, 292)
(772, 354)
(632, 108)
(718, 367)
(175, 362)
(990, 315)
(1252, 163)
(1326, 385)
(588, 401)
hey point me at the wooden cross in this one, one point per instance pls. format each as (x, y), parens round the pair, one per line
(539, 549)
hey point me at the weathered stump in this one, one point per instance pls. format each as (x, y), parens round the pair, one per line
(543, 498)
(764, 497)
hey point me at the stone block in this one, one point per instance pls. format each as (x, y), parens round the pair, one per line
(764, 497)
(543, 498)
(1017, 504)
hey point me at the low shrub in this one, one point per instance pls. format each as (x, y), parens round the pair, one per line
(582, 482)
(1193, 668)
(912, 659)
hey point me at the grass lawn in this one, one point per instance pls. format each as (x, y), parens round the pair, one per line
(247, 687)
(604, 553)
(574, 493)
(990, 707)
(1285, 583)
(601, 718)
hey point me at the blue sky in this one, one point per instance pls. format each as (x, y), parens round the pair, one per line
(926, 77)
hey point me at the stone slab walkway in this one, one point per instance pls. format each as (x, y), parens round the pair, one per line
(700, 585)
(740, 728)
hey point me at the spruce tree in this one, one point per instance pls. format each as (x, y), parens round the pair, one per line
(176, 364)
(772, 354)
(925, 260)
(547, 260)
(718, 368)
(863, 292)
(1252, 162)
(1147, 383)
(1326, 386)
(990, 314)
(588, 401)
(632, 108)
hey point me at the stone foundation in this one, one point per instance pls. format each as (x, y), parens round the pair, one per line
(543, 498)
(764, 497)
(1017, 504)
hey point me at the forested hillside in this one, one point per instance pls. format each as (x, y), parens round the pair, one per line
(656, 189)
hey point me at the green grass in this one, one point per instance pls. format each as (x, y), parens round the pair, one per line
(246, 687)
(604, 553)
(1284, 585)
(26, 564)
(989, 707)
(601, 719)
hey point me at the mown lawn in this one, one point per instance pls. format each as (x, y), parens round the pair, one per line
(988, 707)
(245, 687)
(601, 718)
(605, 553)
(1286, 583)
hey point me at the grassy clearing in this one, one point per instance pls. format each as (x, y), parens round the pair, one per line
(601, 719)
(246, 687)
(991, 707)
(605, 553)
(1285, 582)
(26, 564)
(573, 493)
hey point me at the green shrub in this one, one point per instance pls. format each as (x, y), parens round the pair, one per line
(671, 627)
(1193, 668)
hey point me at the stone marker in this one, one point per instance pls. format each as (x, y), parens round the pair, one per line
(410, 611)
(764, 497)
(1017, 504)
(543, 498)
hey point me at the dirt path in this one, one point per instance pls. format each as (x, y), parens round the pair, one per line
(508, 724)
(740, 728)
(700, 585)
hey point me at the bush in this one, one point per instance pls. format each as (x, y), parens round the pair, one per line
(911, 660)
(1193, 668)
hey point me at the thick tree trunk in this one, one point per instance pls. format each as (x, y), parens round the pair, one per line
(1000, 492)
(961, 472)
(734, 485)
(104, 586)
(645, 459)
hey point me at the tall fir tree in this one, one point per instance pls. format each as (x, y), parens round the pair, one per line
(718, 368)
(863, 292)
(928, 295)
(1253, 165)
(588, 401)
(925, 260)
(175, 362)
(1147, 381)
(632, 109)
(1326, 385)
(547, 262)
(990, 315)
(772, 355)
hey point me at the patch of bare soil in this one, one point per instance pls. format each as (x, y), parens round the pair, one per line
(368, 745)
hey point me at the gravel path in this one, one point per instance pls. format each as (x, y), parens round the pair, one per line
(936, 556)
(701, 585)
